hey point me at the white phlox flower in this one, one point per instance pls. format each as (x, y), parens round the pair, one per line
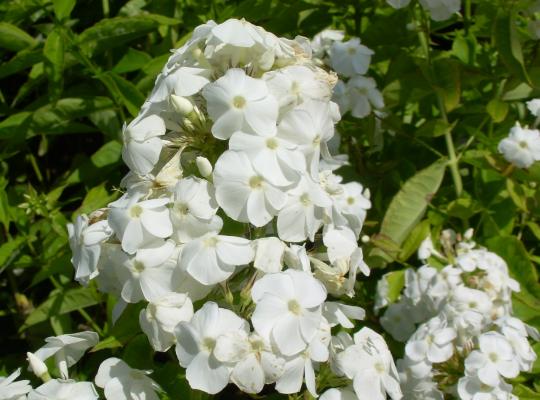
(196, 343)
(147, 275)
(237, 102)
(59, 389)
(288, 309)
(472, 388)
(323, 40)
(121, 382)
(244, 194)
(251, 359)
(350, 58)
(432, 341)
(362, 97)
(159, 319)
(213, 258)
(302, 215)
(85, 240)
(11, 389)
(138, 223)
(269, 254)
(67, 349)
(521, 147)
(495, 358)
(441, 10)
(193, 209)
(142, 143)
(369, 364)
(346, 393)
(398, 321)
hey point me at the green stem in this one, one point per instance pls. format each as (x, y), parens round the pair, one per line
(453, 164)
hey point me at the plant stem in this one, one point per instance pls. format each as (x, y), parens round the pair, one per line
(453, 164)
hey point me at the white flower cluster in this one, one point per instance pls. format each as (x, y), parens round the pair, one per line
(522, 146)
(354, 91)
(458, 315)
(260, 108)
(440, 10)
(115, 377)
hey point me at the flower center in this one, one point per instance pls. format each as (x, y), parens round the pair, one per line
(181, 208)
(295, 87)
(208, 344)
(523, 144)
(137, 375)
(472, 304)
(255, 182)
(351, 50)
(211, 241)
(135, 211)
(305, 200)
(294, 307)
(239, 101)
(350, 200)
(272, 143)
(493, 357)
(138, 266)
(379, 367)
(317, 140)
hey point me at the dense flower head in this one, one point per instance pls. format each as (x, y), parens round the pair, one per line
(460, 314)
(234, 227)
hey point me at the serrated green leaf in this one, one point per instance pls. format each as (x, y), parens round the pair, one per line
(14, 38)
(409, 204)
(61, 302)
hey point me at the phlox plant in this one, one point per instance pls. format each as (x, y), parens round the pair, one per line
(346, 210)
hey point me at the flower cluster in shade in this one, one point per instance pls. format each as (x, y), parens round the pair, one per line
(455, 314)
(354, 91)
(233, 229)
(522, 145)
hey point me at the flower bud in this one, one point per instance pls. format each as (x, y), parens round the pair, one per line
(181, 104)
(204, 166)
(37, 366)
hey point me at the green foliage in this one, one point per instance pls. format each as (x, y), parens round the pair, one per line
(73, 72)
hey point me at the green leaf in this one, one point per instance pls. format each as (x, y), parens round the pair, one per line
(13, 38)
(127, 92)
(96, 197)
(434, 128)
(133, 60)
(22, 60)
(507, 42)
(98, 164)
(512, 250)
(61, 302)
(9, 250)
(114, 32)
(409, 204)
(497, 110)
(414, 240)
(525, 393)
(63, 8)
(448, 82)
(53, 53)
(396, 283)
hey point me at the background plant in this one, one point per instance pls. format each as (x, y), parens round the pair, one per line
(73, 72)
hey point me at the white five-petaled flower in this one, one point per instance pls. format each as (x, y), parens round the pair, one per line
(138, 223)
(142, 143)
(432, 341)
(67, 349)
(302, 215)
(244, 194)
(369, 363)
(251, 359)
(521, 147)
(441, 10)
(85, 241)
(159, 319)
(213, 258)
(495, 358)
(193, 209)
(361, 97)
(147, 275)
(10, 389)
(121, 382)
(59, 389)
(196, 343)
(288, 309)
(237, 102)
(350, 58)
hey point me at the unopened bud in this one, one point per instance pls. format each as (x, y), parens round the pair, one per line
(38, 367)
(365, 239)
(204, 166)
(181, 104)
